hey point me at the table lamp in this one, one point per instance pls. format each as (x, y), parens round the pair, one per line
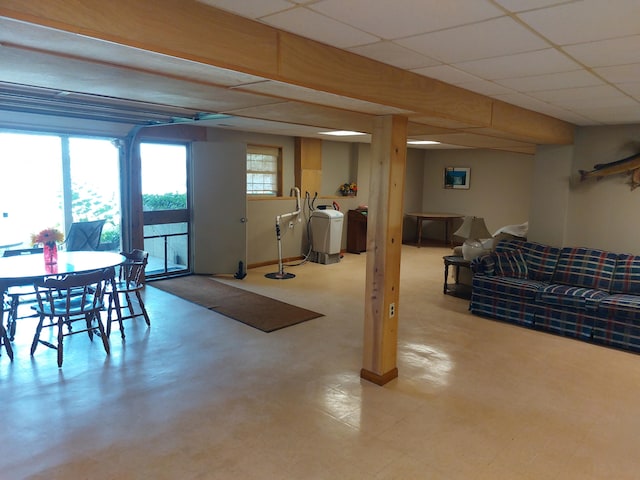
(472, 230)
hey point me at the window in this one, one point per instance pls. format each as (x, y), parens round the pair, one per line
(49, 181)
(264, 167)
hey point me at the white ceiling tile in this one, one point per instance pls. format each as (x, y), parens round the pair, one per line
(446, 74)
(393, 54)
(312, 25)
(520, 65)
(632, 88)
(522, 100)
(476, 41)
(612, 115)
(586, 20)
(617, 51)
(536, 105)
(401, 18)
(250, 8)
(485, 87)
(552, 81)
(307, 95)
(571, 97)
(620, 74)
(524, 5)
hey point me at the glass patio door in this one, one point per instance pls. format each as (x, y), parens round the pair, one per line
(165, 208)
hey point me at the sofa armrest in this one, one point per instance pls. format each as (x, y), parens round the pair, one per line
(483, 265)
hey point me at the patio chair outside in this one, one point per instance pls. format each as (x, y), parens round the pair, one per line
(84, 236)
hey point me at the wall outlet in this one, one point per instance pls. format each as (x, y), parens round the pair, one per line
(392, 310)
(291, 224)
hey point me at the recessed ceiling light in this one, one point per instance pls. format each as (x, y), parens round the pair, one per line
(342, 133)
(422, 142)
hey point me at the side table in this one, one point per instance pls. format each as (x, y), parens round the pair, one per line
(456, 289)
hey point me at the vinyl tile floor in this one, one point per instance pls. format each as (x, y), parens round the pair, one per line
(201, 396)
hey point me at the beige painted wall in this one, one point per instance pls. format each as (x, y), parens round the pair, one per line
(550, 196)
(413, 191)
(500, 187)
(341, 161)
(338, 167)
(603, 214)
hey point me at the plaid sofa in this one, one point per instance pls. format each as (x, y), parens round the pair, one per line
(584, 293)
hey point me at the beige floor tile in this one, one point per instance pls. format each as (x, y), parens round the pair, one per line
(200, 396)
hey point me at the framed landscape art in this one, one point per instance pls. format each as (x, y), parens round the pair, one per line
(457, 177)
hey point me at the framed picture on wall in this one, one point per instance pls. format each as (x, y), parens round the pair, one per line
(457, 177)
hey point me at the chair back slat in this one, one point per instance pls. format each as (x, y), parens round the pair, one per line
(132, 270)
(74, 293)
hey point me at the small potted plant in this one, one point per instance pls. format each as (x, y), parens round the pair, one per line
(349, 189)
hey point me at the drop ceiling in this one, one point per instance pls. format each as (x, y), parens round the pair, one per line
(575, 61)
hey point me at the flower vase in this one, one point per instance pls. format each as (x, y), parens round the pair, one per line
(50, 254)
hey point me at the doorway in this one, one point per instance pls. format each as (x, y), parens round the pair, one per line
(166, 209)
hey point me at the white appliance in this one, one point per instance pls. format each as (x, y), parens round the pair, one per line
(326, 235)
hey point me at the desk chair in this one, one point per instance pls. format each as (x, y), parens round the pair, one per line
(129, 283)
(19, 294)
(84, 236)
(76, 297)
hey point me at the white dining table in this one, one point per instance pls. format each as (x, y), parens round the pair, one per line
(24, 269)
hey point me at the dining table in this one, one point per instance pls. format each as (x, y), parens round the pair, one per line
(447, 218)
(25, 269)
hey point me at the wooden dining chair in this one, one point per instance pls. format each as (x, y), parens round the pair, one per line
(64, 300)
(19, 295)
(129, 283)
(4, 339)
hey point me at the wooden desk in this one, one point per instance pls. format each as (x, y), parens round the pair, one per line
(356, 231)
(447, 218)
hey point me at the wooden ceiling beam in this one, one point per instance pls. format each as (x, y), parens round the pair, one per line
(193, 31)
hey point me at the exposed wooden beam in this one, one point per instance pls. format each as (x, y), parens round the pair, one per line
(196, 32)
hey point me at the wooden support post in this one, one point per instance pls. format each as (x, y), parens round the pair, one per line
(308, 164)
(384, 243)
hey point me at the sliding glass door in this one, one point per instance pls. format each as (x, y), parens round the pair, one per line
(54, 180)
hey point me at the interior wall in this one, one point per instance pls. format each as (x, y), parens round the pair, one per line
(500, 188)
(603, 214)
(413, 191)
(338, 160)
(550, 196)
(337, 167)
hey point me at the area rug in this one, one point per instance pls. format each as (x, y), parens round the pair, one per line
(256, 310)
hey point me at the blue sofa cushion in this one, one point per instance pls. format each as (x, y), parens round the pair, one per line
(570, 296)
(626, 278)
(511, 264)
(507, 286)
(585, 267)
(541, 261)
(621, 306)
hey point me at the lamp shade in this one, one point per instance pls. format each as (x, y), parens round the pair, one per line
(473, 228)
